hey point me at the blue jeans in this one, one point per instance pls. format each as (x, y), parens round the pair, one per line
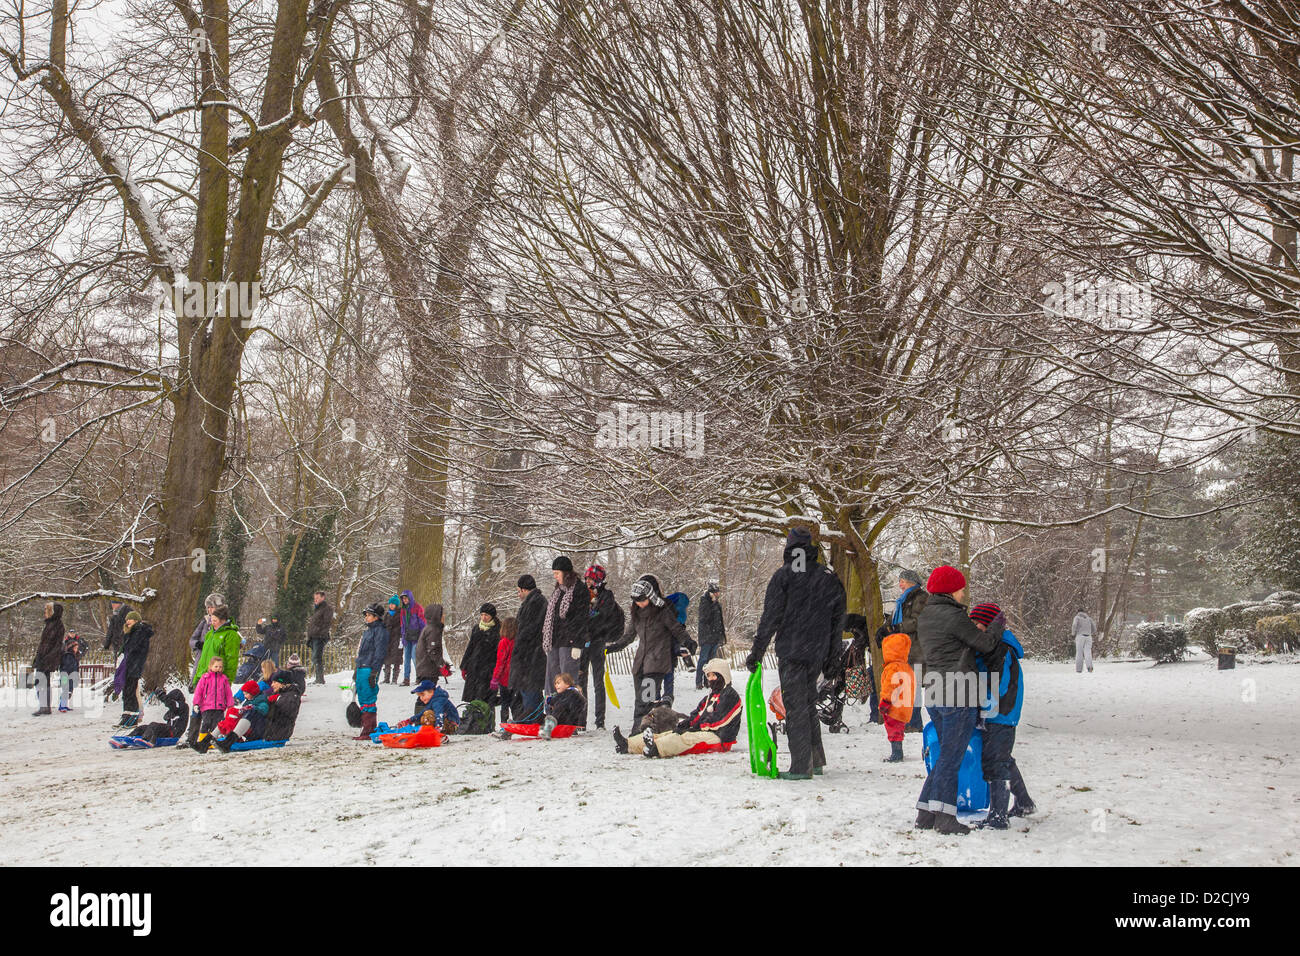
(707, 653)
(954, 725)
(528, 710)
(366, 695)
(408, 660)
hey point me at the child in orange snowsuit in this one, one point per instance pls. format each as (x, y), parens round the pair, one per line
(897, 691)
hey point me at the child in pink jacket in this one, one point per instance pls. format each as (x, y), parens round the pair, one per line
(501, 674)
(211, 698)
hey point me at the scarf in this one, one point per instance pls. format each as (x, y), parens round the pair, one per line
(898, 605)
(485, 627)
(563, 597)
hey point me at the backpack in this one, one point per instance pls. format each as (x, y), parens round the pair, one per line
(476, 718)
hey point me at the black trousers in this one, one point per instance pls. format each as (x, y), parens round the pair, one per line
(997, 762)
(130, 688)
(802, 729)
(648, 689)
(593, 664)
(317, 645)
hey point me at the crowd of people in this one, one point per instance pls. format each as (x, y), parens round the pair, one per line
(544, 664)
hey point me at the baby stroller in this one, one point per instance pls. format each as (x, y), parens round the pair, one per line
(830, 704)
(251, 666)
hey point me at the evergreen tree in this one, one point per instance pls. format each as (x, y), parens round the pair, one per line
(300, 573)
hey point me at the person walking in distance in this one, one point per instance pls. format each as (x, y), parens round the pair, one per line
(804, 610)
(712, 632)
(318, 632)
(1082, 629)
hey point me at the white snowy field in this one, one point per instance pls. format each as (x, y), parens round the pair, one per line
(1132, 764)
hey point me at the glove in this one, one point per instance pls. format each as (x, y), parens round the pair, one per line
(273, 698)
(684, 725)
(882, 632)
(374, 679)
(751, 663)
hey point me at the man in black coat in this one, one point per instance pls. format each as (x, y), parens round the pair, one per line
(804, 608)
(528, 662)
(113, 635)
(318, 632)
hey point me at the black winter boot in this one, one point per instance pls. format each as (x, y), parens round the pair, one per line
(895, 752)
(203, 744)
(226, 742)
(620, 742)
(924, 820)
(946, 823)
(648, 736)
(998, 797)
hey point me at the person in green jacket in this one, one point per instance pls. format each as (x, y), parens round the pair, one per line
(222, 641)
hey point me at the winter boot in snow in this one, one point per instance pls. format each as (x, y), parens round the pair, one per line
(946, 823)
(1024, 805)
(895, 752)
(648, 737)
(998, 797)
(925, 819)
(367, 726)
(620, 742)
(548, 725)
(406, 682)
(203, 744)
(791, 775)
(226, 742)
(40, 711)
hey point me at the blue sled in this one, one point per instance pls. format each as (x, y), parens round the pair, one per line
(381, 729)
(972, 789)
(256, 745)
(139, 743)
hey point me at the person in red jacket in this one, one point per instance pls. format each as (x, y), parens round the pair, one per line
(501, 674)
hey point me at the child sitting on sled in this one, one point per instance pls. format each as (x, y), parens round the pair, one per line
(568, 706)
(432, 699)
(715, 720)
(173, 722)
(897, 691)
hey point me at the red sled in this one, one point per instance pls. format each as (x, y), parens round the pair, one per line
(706, 748)
(424, 737)
(532, 730)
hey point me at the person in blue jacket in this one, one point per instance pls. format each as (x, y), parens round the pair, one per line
(434, 698)
(1001, 713)
(681, 602)
(370, 660)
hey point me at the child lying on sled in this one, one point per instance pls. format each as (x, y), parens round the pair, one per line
(715, 720)
(173, 723)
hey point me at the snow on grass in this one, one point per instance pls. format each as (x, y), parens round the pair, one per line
(1132, 764)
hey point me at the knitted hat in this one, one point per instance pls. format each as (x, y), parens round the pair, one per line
(562, 563)
(295, 660)
(250, 688)
(490, 609)
(595, 573)
(945, 579)
(906, 574)
(527, 582)
(134, 616)
(798, 536)
(282, 677)
(984, 613)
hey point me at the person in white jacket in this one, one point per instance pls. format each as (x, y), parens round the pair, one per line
(1082, 629)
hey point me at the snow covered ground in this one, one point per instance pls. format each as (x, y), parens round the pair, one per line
(1133, 764)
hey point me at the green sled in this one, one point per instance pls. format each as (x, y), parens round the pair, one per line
(762, 749)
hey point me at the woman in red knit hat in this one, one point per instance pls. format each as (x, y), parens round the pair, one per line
(950, 641)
